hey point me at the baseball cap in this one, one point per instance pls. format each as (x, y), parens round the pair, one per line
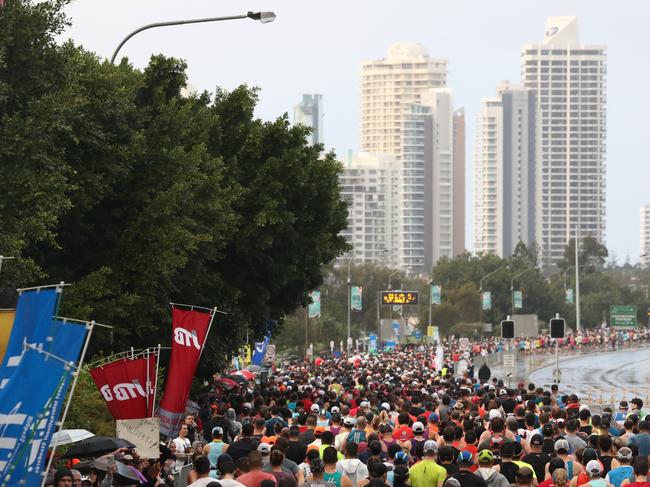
(377, 469)
(385, 405)
(451, 482)
(503, 392)
(335, 410)
(217, 431)
(364, 404)
(430, 446)
(315, 408)
(348, 421)
(594, 467)
(417, 427)
(537, 440)
(264, 448)
(401, 456)
(485, 456)
(319, 430)
(562, 445)
(624, 454)
(433, 417)
(465, 458)
(494, 413)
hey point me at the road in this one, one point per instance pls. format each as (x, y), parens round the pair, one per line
(599, 377)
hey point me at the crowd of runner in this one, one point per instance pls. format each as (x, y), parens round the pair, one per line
(399, 419)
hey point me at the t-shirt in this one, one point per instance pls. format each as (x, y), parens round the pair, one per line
(403, 432)
(201, 482)
(230, 483)
(254, 478)
(538, 461)
(617, 475)
(426, 473)
(642, 441)
(468, 479)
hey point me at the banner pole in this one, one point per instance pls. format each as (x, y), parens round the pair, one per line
(155, 383)
(214, 312)
(89, 326)
(148, 378)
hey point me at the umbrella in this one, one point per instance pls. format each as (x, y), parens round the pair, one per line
(239, 379)
(246, 373)
(254, 368)
(65, 437)
(226, 383)
(123, 476)
(97, 446)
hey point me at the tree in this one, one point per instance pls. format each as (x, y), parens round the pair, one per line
(592, 255)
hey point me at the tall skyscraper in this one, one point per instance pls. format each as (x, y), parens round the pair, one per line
(309, 112)
(569, 81)
(390, 84)
(645, 235)
(407, 113)
(504, 177)
(369, 185)
(459, 183)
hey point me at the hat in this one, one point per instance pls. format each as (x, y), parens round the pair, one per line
(451, 482)
(503, 392)
(624, 454)
(377, 469)
(537, 440)
(494, 413)
(562, 445)
(459, 405)
(401, 456)
(317, 465)
(62, 473)
(433, 417)
(417, 427)
(364, 404)
(348, 421)
(485, 456)
(315, 408)
(217, 431)
(127, 457)
(319, 430)
(335, 410)
(264, 448)
(465, 458)
(385, 405)
(594, 467)
(430, 446)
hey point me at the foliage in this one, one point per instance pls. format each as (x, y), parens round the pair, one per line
(88, 409)
(140, 196)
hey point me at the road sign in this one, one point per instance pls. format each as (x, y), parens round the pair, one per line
(487, 300)
(464, 343)
(400, 297)
(622, 316)
(508, 361)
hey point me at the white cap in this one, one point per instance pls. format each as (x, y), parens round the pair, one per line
(264, 448)
(417, 427)
(315, 408)
(385, 405)
(349, 421)
(335, 410)
(494, 413)
(594, 467)
(364, 404)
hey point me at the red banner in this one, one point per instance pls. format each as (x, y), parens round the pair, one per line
(189, 331)
(123, 384)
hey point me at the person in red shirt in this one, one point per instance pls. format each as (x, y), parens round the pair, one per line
(255, 475)
(403, 431)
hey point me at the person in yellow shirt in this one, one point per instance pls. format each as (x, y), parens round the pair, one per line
(427, 473)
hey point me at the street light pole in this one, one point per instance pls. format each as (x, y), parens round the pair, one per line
(578, 327)
(349, 306)
(480, 289)
(263, 17)
(512, 287)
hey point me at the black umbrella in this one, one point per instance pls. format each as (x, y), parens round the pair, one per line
(97, 446)
(237, 378)
(123, 476)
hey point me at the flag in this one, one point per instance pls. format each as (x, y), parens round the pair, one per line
(31, 404)
(518, 300)
(436, 292)
(32, 323)
(6, 323)
(314, 307)
(487, 300)
(123, 385)
(569, 296)
(260, 351)
(189, 332)
(356, 298)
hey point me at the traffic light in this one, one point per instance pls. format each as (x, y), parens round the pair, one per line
(507, 329)
(557, 327)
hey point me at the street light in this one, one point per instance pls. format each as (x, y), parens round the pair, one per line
(512, 287)
(349, 343)
(263, 17)
(480, 288)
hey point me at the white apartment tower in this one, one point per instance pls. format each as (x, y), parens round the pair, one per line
(309, 112)
(407, 113)
(569, 81)
(504, 171)
(369, 186)
(645, 235)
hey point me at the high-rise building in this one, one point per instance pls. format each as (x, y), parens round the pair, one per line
(504, 177)
(369, 185)
(459, 183)
(569, 80)
(390, 84)
(407, 113)
(645, 235)
(309, 112)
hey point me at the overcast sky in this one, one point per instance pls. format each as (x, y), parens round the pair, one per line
(317, 47)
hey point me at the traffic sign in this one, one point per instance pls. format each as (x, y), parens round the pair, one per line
(508, 361)
(464, 343)
(400, 297)
(622, 316)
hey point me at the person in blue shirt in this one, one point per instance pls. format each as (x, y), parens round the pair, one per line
(642, 439)
(624, 471)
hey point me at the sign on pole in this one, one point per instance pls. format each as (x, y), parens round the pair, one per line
(518, 300)
(430, 331)
(400, 297)
(463, 343)
(487, 300)
(356, 301)
(509, 361)
(622, 316)
(436, 292)
(372, 343)
(314, 307)
(569, 296)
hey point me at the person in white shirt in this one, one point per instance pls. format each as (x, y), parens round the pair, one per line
(202, 470)
(183, 447)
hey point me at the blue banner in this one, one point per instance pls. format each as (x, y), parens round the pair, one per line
(260, 351)
(30, 405)
(34, 313)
